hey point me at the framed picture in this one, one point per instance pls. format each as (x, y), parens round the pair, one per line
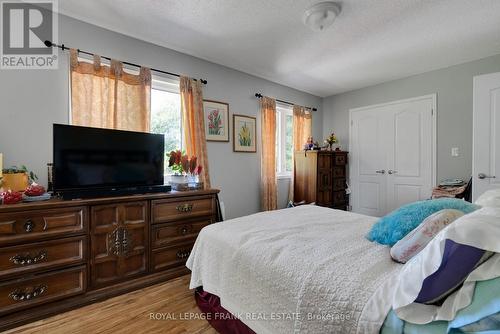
(244, 134)
(216, 120)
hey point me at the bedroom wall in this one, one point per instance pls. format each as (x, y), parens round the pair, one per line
(453, 86)
(32, 100)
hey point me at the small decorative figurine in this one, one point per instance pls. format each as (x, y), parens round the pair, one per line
(309, 145)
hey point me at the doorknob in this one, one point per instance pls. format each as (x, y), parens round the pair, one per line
(382, 171)
(390, 171)
(483, 176)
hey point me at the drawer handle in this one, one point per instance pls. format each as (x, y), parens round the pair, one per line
(28, 259)
(27, 294)
(184, 230)
(29, 226)
(184, 207)
(183, 254)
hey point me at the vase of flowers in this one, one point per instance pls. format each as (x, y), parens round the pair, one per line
(186, 171)
(330, 140)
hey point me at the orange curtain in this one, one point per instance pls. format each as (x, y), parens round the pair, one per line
(302, 129)
(193, 125)
(269, 193)
(107, 97)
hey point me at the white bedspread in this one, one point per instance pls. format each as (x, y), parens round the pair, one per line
(302, 270)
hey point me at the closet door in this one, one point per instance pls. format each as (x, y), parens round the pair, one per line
(486, 152)
(392, 155)
(368, 170)
(410, 158)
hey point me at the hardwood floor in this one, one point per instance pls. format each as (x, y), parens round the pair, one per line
(131, 313)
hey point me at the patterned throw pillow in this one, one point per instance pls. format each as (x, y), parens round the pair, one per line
(417, 239)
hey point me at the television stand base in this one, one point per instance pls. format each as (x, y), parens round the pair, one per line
(112, 192)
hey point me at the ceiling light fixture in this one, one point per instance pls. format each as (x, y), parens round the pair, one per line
(321, 15)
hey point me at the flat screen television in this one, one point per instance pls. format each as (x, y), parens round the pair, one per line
(102, 159)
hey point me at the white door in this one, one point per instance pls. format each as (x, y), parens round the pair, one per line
(392, 152)
(410, 164)
(368, 163)
(486, 128)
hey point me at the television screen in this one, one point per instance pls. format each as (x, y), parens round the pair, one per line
(101, 158)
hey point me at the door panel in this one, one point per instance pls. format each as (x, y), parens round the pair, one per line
(486, 127)
(369, 196)
(407, 142)
(368, 157)
(410, 141)
(119, 239)
(406, 193)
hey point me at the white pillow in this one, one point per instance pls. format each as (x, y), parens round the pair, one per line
(490, 198)
(417, 239)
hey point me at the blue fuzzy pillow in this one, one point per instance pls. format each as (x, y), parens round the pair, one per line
(393, 227)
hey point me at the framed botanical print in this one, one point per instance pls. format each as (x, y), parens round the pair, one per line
(244, 134)
(216, 120)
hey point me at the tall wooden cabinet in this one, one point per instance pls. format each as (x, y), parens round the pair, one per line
(320, 177)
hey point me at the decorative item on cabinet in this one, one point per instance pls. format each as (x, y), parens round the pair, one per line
(330, 140)
(187, 171)
(311, 144)
(17, 178)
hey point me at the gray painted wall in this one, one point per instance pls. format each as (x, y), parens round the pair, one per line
(453, 86)
(33, 100)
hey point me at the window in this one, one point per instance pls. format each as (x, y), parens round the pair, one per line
(166, 114)
(284, 141)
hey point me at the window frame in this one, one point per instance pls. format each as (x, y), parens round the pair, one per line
(169, 85)
(282, 111)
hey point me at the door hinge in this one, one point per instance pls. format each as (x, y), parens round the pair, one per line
(432, 112)
(352, 122)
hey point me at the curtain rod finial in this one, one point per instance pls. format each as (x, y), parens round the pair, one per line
(48, 43)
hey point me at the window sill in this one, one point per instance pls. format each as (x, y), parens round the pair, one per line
(284, 176)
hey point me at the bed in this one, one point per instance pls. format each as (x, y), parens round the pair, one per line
(301, 270)
(306, 269)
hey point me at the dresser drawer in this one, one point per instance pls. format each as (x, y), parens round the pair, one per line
(42, 255)
(340, 159)
(173, 210)
(33, 290)
(339, 197)
(36, 225)
(172, 233)
(339, 184)
(339, 171)
(170, 257)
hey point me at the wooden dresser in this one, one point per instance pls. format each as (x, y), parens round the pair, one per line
(320, 177)
(58, 255)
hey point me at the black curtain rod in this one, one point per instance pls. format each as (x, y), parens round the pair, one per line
(259, 95)
(63, 47)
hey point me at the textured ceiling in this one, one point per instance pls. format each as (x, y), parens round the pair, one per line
(372, 41)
